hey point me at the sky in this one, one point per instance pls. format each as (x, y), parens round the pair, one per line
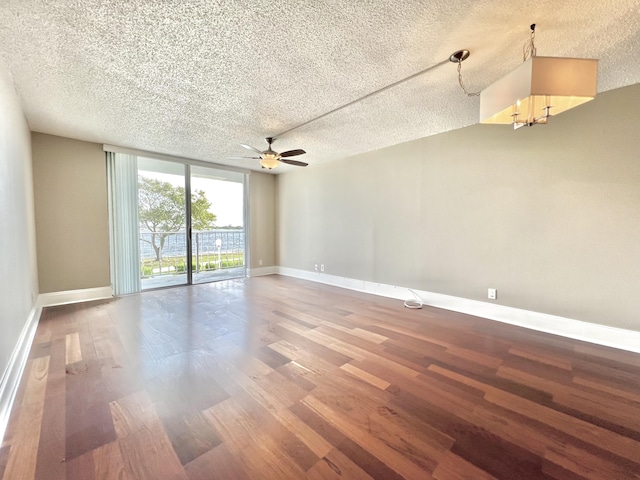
(226, 197)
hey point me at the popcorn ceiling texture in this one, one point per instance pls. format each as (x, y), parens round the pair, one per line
(197, 78)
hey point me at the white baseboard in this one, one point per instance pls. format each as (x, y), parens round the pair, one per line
(74, 296)
(258, 272)
(542, 322)
(13, 373)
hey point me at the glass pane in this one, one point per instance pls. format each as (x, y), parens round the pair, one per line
(217, 216)
(162, 218)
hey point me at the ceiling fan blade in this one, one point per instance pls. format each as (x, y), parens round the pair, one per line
(243, 158)
(293, 162)
(292, 153)
(249, 147)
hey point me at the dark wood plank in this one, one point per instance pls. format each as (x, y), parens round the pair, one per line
(217, 464)
(337, 466)
(50, 464)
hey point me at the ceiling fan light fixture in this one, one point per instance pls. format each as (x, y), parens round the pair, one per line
(269, 161)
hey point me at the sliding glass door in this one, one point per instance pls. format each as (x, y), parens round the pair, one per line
(174, 223)
(162, 217)
(217, 224)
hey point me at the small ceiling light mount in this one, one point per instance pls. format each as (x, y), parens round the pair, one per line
(459, 56)
(539, 88)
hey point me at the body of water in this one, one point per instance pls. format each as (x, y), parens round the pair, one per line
(175, 245)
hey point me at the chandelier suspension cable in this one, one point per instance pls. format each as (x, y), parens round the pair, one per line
(459, 57)
(529, 49)
(380, 90)
(461, 82)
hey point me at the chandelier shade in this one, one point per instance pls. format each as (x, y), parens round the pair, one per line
(539, 88)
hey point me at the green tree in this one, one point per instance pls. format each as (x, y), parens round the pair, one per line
(161, 208)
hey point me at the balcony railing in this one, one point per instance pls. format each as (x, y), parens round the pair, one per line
(212, 250)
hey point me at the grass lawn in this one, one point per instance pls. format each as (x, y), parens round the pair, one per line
(207, 262)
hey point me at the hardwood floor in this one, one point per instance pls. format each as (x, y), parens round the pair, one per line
(278, 378)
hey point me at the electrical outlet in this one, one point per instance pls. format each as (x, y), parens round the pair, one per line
(316, 267)
(492, 294)
(260, 262)
(322, 267)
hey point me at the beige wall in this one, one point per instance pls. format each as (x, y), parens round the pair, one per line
(18, 269)
(549, 215)
(262, 220)
(72, 224)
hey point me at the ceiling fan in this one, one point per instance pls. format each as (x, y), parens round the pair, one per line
(270, 159)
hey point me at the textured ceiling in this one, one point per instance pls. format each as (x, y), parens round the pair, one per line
(197, 78)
